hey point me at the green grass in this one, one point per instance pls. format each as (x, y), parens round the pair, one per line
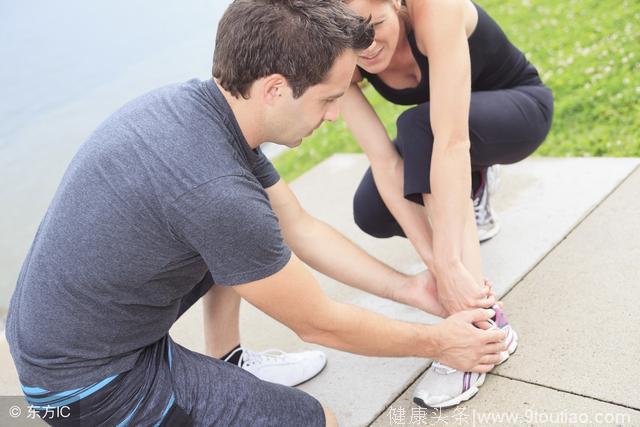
(587, 52)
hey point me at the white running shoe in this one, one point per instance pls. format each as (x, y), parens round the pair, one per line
(444, 387)
(500, 320)
(493, 179)
(278, 367)
(486, 219)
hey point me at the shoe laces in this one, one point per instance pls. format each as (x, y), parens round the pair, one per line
(249, 358)
(441, 368)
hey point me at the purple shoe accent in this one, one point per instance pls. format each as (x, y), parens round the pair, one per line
(466, 381)
(500, 318)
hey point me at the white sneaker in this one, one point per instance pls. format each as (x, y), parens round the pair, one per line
(278, 367)
(486, 219)
(444, 387)
(493, 179)
(500, 320)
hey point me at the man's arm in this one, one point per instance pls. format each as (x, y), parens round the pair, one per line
(294, 298)
(326, 250)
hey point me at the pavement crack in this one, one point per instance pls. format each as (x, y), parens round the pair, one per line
(566, 391)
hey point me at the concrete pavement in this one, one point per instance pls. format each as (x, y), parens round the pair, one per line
(573, 261)
(578, 315)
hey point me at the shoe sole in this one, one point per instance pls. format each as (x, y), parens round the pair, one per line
(473, 390)
(311, 377)
(490, 235)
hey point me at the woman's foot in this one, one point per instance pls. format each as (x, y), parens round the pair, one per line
(444, 387)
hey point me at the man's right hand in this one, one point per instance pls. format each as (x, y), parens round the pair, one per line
(466, 347)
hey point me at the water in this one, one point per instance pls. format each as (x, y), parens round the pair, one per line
(64, 67)
(55, 52)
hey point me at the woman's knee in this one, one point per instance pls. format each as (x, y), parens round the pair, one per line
(365, 217)
(414, 125)
(415, 140)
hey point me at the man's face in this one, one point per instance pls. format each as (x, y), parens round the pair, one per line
(298, 118)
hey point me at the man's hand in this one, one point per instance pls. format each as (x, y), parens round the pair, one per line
(465, 347)
(457, 290)
(420, 291)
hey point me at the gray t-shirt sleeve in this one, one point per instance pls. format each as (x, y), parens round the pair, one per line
(264, 171)
(230, 223)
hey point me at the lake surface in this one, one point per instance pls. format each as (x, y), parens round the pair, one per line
(64, 67)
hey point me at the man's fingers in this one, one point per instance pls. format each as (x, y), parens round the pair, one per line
(490, 359)
(483, 325)
(494, 348)
(494, 336)
(482, 368)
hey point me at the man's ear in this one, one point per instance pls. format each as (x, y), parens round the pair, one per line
(274, 86)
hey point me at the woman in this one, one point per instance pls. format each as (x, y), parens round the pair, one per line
(479, 103)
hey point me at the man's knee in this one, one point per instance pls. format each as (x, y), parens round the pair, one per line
(330, 419)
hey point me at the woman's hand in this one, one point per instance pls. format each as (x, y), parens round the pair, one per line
(420, 291)
(457, 290)
(465, 347)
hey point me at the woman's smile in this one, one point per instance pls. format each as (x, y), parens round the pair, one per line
(373, 56)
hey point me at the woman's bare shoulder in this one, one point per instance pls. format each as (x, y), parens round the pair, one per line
(425, 14)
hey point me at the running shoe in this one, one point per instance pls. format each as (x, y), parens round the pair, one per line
(486, 220)
(501, 321)
(278, 367)
(444, 387)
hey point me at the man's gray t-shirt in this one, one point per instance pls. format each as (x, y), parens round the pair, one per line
(166, 189)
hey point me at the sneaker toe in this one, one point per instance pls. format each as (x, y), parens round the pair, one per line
(307, 365)
(314, 361)
(432, 400)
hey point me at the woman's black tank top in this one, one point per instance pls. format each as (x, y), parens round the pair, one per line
(495, 64)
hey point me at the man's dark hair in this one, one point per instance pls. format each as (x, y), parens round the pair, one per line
(299, 39)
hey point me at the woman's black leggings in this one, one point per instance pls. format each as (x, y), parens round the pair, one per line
(505, 126)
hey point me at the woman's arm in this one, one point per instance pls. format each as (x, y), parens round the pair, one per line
(329, 252)
(387, 168)
(440, 34)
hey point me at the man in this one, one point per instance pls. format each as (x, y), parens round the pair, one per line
(171, 199)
